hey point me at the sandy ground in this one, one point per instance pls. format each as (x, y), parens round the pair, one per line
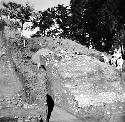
(60, 115)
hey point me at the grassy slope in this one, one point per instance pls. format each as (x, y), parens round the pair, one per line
(67, 45)
(34, 82)
(22, 56)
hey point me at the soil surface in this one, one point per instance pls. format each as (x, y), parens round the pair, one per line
(60, 115)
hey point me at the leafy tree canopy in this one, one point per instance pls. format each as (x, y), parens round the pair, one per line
(101, 19)
(99, 23)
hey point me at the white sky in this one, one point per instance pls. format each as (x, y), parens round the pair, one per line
(42, 4)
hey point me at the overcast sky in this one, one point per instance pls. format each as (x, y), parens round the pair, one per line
(42, 4)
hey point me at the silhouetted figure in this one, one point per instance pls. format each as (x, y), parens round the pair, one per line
(110, 62)
(50, 104)
(42, 66)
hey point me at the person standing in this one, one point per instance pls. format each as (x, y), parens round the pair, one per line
(50, 101)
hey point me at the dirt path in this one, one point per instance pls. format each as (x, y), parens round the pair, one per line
(60, 115)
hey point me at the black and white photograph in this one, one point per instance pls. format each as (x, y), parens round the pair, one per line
(62, 60)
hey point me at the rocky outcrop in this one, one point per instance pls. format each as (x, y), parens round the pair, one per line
(85, 87)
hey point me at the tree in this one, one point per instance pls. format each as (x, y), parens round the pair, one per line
(11, 8)
(17, 11)
(20, 12)
(100, 19)
(54, 21)
(3, 12)
(24, 13)
(63, 19)
(78, 29)
(46, 20)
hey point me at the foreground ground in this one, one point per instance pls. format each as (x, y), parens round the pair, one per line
(60, 115)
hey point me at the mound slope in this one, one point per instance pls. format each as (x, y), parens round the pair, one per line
(84, 86)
